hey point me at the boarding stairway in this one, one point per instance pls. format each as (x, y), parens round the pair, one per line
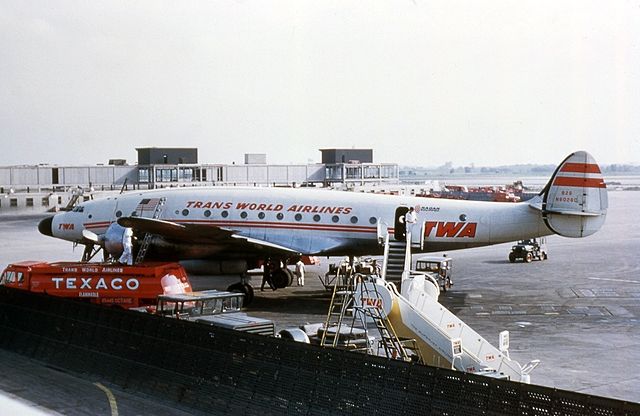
(395, 256)
(442, 338)
(353, 334)
(397, 253)
(156, 207)
(367, 307)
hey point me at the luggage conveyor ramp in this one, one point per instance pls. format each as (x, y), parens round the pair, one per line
(443, 339)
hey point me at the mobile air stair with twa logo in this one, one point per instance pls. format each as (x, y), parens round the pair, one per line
(441, 338)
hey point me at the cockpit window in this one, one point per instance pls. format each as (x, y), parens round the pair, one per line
(78, 208)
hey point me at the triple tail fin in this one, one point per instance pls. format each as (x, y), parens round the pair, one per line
(574, 201)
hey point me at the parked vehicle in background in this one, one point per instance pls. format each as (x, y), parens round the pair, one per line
(441, 268)
(528, 250)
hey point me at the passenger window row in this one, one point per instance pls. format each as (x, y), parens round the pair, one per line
(280, 216)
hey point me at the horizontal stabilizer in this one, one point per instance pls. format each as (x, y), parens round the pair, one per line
(574, 202)
(580, 214)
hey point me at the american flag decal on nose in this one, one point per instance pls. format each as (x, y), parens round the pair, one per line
(147, 205)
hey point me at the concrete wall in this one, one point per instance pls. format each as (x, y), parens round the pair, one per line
(271, 174)
(22, 203)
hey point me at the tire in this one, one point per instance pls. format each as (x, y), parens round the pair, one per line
(544, 256)
(528, 257)
(290, 274)
(245, 289)
(512, 257)
(280, 278)
(248, 293)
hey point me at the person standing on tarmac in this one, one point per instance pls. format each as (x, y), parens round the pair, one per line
(266, 275)
(300, 272)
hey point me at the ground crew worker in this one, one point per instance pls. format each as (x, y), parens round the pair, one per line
(266, 275)
(300, 272)
(127, 247)
(376, 268)
(410, 218)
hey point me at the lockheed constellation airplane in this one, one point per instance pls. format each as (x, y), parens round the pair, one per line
(231, 230)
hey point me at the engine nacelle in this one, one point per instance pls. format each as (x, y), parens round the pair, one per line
(113, 239)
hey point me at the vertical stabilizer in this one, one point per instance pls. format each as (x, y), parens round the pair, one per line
(575, 199)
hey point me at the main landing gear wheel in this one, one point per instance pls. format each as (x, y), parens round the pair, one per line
(282, 278)
(244, 288)
(291, 276)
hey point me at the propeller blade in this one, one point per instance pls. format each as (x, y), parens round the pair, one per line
(91, 236)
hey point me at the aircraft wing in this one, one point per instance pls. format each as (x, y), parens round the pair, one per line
(200, 234)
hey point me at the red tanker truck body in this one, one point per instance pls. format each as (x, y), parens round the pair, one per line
(101, 283)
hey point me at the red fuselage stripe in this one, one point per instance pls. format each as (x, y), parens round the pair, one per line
(265, 224)
(281, 225)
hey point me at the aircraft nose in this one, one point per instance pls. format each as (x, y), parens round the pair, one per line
(45, 226)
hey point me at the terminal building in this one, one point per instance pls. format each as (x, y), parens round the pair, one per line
(52, 186)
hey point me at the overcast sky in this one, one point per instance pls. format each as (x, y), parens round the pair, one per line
(420, 82)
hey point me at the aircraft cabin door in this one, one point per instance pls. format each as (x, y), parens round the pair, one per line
(399, 226)
(420, 237)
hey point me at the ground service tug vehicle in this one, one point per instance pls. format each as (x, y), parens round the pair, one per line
(439, 268)
(212, 307)
(528, 250)
(109, 284)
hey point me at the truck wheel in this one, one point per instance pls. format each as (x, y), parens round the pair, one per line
(248, 293)
(512, 257)
(245, 289)
(528, 257)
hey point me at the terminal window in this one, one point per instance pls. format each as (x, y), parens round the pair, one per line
(143, 175)
(387, 172)
(29, 202)
(186, 174)
(333, 172)
(13, 202)
(354, 172)
(167, 175)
